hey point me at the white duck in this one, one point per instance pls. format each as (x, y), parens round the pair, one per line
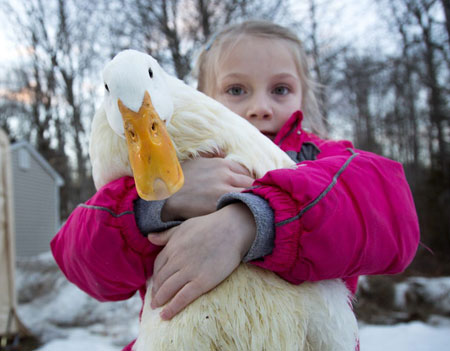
(253, 309)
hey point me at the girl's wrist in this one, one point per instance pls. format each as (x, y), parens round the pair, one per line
(169, 211)
(241, 224)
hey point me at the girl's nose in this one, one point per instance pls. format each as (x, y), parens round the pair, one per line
(259, 107)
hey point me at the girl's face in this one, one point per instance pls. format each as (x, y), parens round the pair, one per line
(257, 78)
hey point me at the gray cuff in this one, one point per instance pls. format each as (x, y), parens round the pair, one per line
(148, 216)
(264, 219)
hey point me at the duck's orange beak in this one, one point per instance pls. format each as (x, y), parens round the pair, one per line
(157, 172)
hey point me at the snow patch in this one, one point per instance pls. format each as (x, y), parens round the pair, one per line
(414, 336)
(57, 311)
(65, 318)
(79, 339)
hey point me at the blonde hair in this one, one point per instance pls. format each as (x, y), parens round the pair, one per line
(214, 50)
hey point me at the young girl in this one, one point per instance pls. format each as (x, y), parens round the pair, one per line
(340, 213)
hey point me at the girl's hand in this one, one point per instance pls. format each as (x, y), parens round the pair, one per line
(199, 254)
(205, 181)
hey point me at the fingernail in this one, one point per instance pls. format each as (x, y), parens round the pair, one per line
(164, 315)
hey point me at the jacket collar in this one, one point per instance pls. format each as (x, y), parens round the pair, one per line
(290, 135)
(297, 143)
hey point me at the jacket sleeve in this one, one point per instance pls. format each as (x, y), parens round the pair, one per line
(100, 248)
(345, 214)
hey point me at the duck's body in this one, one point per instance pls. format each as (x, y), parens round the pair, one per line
(253, 309)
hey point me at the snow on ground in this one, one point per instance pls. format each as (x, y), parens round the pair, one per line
(80, 339)
(61, 315)
(66, 319)
(414, 336)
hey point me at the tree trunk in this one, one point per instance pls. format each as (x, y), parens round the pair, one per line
(446, 6)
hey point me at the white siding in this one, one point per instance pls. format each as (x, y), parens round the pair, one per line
(35, 205)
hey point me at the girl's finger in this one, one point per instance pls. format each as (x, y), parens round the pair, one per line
(238, 168)
(212, 154)
(168, 289)
(241, 181)
(184, 297)
(161, 238)
(165, 273)
(237, 190)
(160, 262)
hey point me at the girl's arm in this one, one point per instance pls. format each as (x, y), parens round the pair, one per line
(206, 179)
(346, 214)
(100, 248)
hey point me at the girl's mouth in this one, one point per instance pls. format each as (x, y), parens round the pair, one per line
(270, 135)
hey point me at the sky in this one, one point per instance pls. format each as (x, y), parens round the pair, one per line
(6, 47)
(357, 21)
(6, 44)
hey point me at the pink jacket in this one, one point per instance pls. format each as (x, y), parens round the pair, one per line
(344, 214)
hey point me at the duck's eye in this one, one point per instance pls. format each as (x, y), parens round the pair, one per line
(106, 87)
(150, 73)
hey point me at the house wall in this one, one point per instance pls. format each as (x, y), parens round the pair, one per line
(35, 204)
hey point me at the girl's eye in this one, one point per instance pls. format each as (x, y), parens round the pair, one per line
(235, 91)
(281, 90)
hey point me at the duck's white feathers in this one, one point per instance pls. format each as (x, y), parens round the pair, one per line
(107, 151)
(255, 310)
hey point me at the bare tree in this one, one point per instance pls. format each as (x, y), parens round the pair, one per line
(172, 30)
(404, 71)
(360, 77)
(53, 75)
(73, 62)
(432, 56)
(317, 55)
(35, 78)
(419, 111)
(446, 7)
(313, 24)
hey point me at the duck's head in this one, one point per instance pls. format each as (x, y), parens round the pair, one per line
(138, 104)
